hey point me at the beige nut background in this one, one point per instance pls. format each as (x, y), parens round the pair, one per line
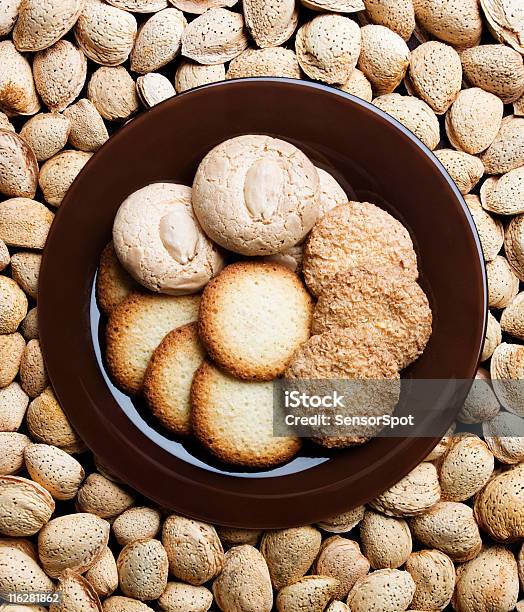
(65, 87)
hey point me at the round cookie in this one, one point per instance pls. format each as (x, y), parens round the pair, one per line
(169, 375)
(136, 327)
(364, 372)
(253, 316)
(331, 193)
(389, 307)
(233, 419)
(113, 283)
(290, 258)
(358, 234)
(160, 243)
(256, 195)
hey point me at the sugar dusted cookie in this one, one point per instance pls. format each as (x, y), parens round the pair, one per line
(256, 195)
(169, 375)
(253, 316)
(358, 234)
(136, 327)
(364, 372)
(113, 283)
(233, 419)
(388, 306)
(160, 243)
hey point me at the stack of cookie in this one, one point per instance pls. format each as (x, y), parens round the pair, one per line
(228, 308)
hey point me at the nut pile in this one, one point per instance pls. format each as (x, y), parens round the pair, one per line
(65, 83)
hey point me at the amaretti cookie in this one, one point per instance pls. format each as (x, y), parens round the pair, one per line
(331, 193)
(160, 243)
(113, 283)
(253, 316)
(233, 419)
(358, 234)
(169, 375)
(390, 307)
(136, 327)
(365, 373)
(256, 195)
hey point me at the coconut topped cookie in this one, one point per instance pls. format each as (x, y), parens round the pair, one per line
(160, 243)
(256, 195)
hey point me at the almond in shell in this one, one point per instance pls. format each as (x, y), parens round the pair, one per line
(17, 87)
(435, 75)
(215, 37)
(397, 15)
(474, 119)
(112, 90)
(72, 541)
(18, 166)
(457, 22)
(88, 131)
(60, 74)
(384, 58)
(41, 23)
(158, 42)
(105, 33)
(328, 48)
(76, 594)
(270, 22)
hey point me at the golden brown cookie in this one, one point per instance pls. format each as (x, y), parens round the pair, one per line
(136, 327)
(233, 419)
(169, 375)
(364, 372)
(389, 307)
(358, 234)
(113, 283)
(253, 316)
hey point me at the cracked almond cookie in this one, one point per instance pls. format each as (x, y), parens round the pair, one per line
(256, 195)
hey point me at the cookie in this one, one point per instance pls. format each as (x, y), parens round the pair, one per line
(331, 193)
(253, 316)
(357, 234)
(233, 419)
(364, 372)
(113, 283)
(160, 243)
(290, 258)
(389, 307)
(136, 327)
(256, 195)
(168, 377)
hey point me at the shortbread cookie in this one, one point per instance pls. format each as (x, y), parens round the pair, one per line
(168, 377)
(357, 234)
(389, 307)
(160, 243)
(136, 327)
(233, 419)
(331, 193)
(113, 283)
(253, 316)
(256, 195)
(364, 372)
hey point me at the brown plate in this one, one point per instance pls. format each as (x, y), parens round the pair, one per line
(376, 159)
